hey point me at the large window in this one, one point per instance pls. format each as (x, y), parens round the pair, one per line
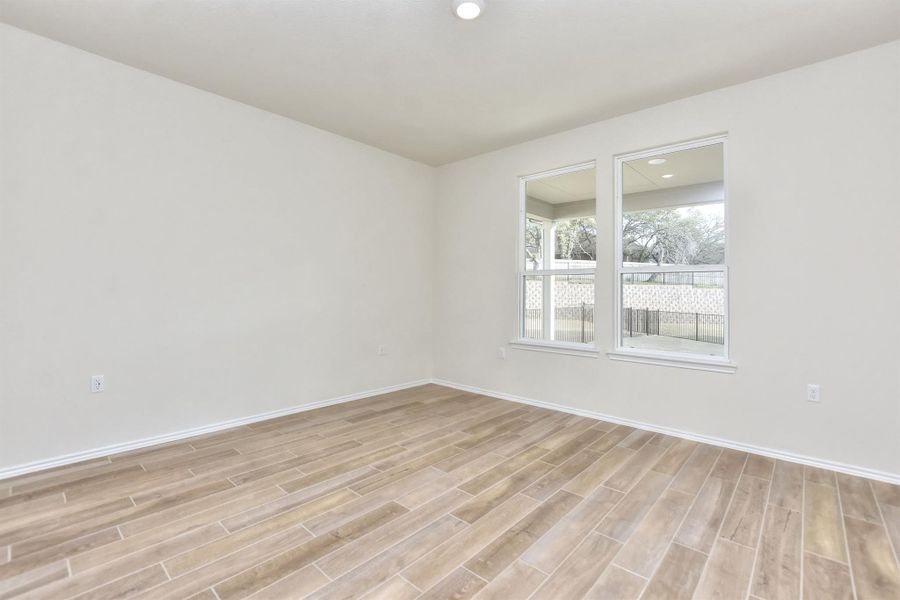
(558, 256)
(672, 273)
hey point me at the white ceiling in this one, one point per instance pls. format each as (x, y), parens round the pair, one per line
(568, 187)
(407, 76)
(687, 167)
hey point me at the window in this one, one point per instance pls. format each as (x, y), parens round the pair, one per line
(558, 257)
(672, 272)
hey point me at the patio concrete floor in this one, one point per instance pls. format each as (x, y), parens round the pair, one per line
(672, 344)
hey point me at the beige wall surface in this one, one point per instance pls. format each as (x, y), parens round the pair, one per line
(212, 260)
(812, 175)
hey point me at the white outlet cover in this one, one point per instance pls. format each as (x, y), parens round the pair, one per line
(97, 383)
(813, 393)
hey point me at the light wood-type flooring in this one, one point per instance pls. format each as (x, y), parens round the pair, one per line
(435, 493)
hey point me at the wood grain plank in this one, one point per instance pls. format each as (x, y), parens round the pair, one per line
(124, 563)
(675, 456)
(637, 439)
(499, 493)
(729, 465)
(390, 562)
(478, 484)
(339, 469)
(518, 580)
(572, 447)
(621, 522)
(461, 584)
(354, 554)
(296, 585)
(578, 573)
(127, 586)
(819, 476)
(744, 518)
(612, 438)
(59, 552)
(892, 523)
(395, 588)
(592, 477)
(857, 498)
(701, 526)
(343, 512)
(549, 552)
(787, 486)
(510, 545)
(778, 563)
(553, 481)
(825, 579)
(875, 571)
(647, 546)
(759, 466)
(677, 576)
(634, 468)
(616, 583)
(693, 474)
(727, 573)
(446, 558)
(17, 585)
(274, 569)
(824, 533)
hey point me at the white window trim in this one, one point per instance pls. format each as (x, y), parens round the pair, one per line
(718, 364)
(674, 359)
(569, 348)
(520, 342)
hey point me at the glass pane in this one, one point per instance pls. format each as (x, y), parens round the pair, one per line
(673, 208)
(675, 312)
(559, 308)
(560, 224)
(576, 242)
(534, 244)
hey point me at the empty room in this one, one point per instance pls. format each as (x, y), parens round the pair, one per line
(450, 299)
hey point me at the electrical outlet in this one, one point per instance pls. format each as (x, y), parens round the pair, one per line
(813, 392)
(97, 384)
(501, 352)
(382, 349)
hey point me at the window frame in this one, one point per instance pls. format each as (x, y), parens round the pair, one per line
(663, 357)
(520, 341)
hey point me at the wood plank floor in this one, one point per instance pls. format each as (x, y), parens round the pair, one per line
(434, 493)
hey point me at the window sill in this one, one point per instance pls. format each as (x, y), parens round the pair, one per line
(669, 359)
(584, 350)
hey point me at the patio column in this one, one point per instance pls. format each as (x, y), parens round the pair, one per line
(548, 307)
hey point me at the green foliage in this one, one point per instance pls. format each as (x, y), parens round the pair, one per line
(673, 236)
(534, 234)
(576, 239)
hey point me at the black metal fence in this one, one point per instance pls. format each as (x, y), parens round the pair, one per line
(533, 328)
(689, 326)
(572, 323)
(576, 324)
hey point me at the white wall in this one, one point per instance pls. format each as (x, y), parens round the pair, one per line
(178, 242)
(812, 174)
(181, 244)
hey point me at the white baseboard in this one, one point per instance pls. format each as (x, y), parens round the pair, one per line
(714, 441)
(186, 433)
(75, 457)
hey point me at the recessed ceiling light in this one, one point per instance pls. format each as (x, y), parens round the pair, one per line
(668, 176)
(656, 161)
(468, 9)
